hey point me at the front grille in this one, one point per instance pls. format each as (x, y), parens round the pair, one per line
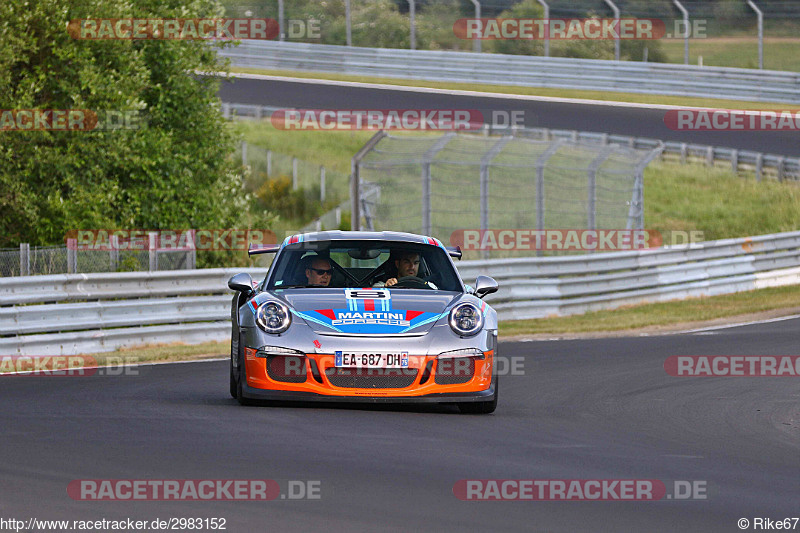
(287, 368)
(454, 371)
(371, 378)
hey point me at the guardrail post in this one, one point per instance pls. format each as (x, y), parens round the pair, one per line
(72, 256)
(412, 10)
(476, 42)
(152, 250)
(735, 160)
(547, 31)
(683, 153)
(24, 259)
(781, 168)
(710, 156)
(759, 166)
(760, 16)
(294, 173)
(226, 110)
(244, 153)
(269, 163)
(338, 213)
(321, 183)
(685, 31)
(617, 25)
(348, 23)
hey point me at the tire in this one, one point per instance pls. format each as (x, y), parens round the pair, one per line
(234, 383)
(241, 378)
(481, 408)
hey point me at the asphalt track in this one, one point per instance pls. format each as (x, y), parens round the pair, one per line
(636, 120)
(582, 409)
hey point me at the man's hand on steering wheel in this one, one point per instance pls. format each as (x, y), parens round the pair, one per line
(408, 282)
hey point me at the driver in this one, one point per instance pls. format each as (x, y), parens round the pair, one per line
(319, 272)
(407, 264)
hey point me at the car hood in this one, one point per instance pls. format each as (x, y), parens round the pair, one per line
(368, 311)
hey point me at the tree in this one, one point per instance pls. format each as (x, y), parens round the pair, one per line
(174, 172)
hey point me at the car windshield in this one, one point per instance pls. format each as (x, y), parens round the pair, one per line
(342, 264)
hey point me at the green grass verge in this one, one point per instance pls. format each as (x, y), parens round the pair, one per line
(661, 314)
(741, 52)
(531, 91)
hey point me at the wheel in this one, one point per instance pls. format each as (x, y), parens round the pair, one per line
(238, 373)
(481, 408)
(239, 384)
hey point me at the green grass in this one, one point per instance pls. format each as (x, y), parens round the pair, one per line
(531, 91)
(661, 314)
(741, 52)
(717, 202)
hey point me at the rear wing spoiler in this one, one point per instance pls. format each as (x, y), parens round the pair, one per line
(454, 251)
(255, 249)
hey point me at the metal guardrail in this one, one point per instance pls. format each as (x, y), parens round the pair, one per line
(103, 312)
(761, 164)
(529, 71)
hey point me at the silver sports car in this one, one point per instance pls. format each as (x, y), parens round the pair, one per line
(363, 316)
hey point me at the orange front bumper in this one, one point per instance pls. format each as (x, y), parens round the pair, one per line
(425, 375)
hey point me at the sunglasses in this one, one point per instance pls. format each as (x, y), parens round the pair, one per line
(322, 272)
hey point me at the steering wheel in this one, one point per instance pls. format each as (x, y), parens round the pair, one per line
(410, 282)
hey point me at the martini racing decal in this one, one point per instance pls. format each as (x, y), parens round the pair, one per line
(369, 311)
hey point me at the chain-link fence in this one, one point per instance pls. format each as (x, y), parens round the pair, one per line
(328, 185)
(447, 185)
(37, 260)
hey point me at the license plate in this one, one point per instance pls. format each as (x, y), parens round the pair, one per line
(371, 360)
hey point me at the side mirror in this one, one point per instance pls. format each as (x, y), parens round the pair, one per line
(485, 285)
(241, 282)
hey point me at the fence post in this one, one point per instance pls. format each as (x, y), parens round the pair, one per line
(321, 183)
(113, 252)
(294, 173)
(685, 31)
(355, 179)
(412, 8)
(72, 256)
(281, 35)
(760, 16)
(191, 257)
(615, 9)
(269, 163)
(759, 166)
(24, 259)
(484, 183)
(540, 164)
(547, 31)
(152, 245)
(476, 42)
(348, 24)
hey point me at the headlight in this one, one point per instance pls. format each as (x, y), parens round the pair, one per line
(466, 319)
(273, 317)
